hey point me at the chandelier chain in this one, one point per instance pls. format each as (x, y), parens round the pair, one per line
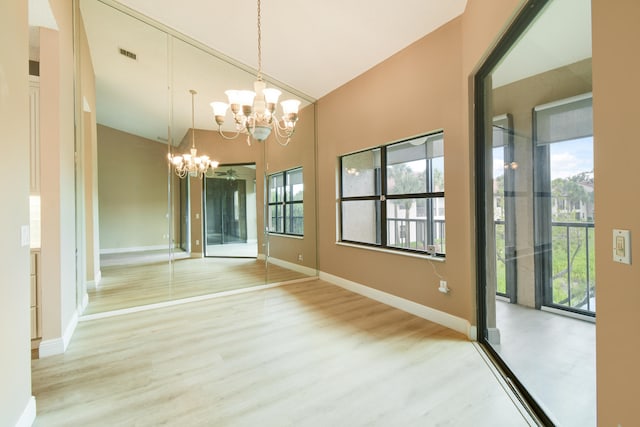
(193, 120)
(259, 45)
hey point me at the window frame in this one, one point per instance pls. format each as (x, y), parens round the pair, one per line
(382, 196)
(286, 206)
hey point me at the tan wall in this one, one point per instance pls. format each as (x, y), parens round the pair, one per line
(132, 191)
(15, 368)
(616, 109)
(299, 152)
(414, 92)
(57, 185)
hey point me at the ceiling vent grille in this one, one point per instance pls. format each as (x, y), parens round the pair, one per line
(128, 54)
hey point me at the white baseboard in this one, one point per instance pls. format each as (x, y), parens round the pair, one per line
(307, 271)
(85, 302)
(440, 317)
(59, 345)
(28, 416)
(108, 251)
(95, 283)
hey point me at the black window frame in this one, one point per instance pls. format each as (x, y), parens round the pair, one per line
(381, 195)
(286, 205)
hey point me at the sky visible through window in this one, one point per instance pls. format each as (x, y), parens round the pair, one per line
(568, 158)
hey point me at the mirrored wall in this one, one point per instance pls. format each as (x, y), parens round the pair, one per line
(144, 92)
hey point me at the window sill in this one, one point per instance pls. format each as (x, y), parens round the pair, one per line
(391, 251)
(287, 236)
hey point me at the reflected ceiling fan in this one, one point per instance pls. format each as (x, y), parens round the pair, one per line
(229, 174)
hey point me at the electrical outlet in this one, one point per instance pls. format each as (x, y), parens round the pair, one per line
(443, 287)
(299, 257)
(431, 249)
(197, 242)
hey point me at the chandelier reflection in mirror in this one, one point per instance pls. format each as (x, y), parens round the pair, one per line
(192, 164)
(255, 111)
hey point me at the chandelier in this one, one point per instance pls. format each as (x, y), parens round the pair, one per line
(192, 164)
(254, 111)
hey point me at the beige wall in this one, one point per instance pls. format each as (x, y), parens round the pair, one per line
(132, 191)
(416, 91)
(15, 368)
(57, 186)
(616, 109)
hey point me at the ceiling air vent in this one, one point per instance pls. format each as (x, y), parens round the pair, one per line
(128, 54)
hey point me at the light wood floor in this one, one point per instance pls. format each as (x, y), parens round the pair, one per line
(126, 286)
(305, 354)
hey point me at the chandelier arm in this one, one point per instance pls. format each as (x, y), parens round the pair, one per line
(284, 131)
(181, 173)
(278, 136)
(221, 132)
(287, 130)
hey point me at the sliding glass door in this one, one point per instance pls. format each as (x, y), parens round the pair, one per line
(535, 211)
(230, 212)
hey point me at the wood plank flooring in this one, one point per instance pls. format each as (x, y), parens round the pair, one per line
(136, 285)
(305, 354)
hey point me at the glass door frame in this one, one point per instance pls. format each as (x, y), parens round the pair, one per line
(483, 152)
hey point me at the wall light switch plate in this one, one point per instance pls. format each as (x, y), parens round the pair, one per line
(622, 246)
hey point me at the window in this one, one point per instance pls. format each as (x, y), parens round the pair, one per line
(286, 213)
(393, 196)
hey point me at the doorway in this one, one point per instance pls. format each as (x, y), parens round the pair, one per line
(230, 214)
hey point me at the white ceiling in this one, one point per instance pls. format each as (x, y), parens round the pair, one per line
(309, 49)
(561, 35)
(313, 46)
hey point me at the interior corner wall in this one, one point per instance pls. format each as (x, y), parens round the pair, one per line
(616, 109)
(15, 367)
(300, 152)
(132, 191)
(57, 177)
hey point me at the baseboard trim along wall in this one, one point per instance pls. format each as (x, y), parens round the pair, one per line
(28, 416)
(95, 284)
(308, 271)
(440, 317)
(133, 249)
(59, 345)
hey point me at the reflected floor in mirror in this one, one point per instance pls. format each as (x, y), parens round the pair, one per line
(126, 286)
